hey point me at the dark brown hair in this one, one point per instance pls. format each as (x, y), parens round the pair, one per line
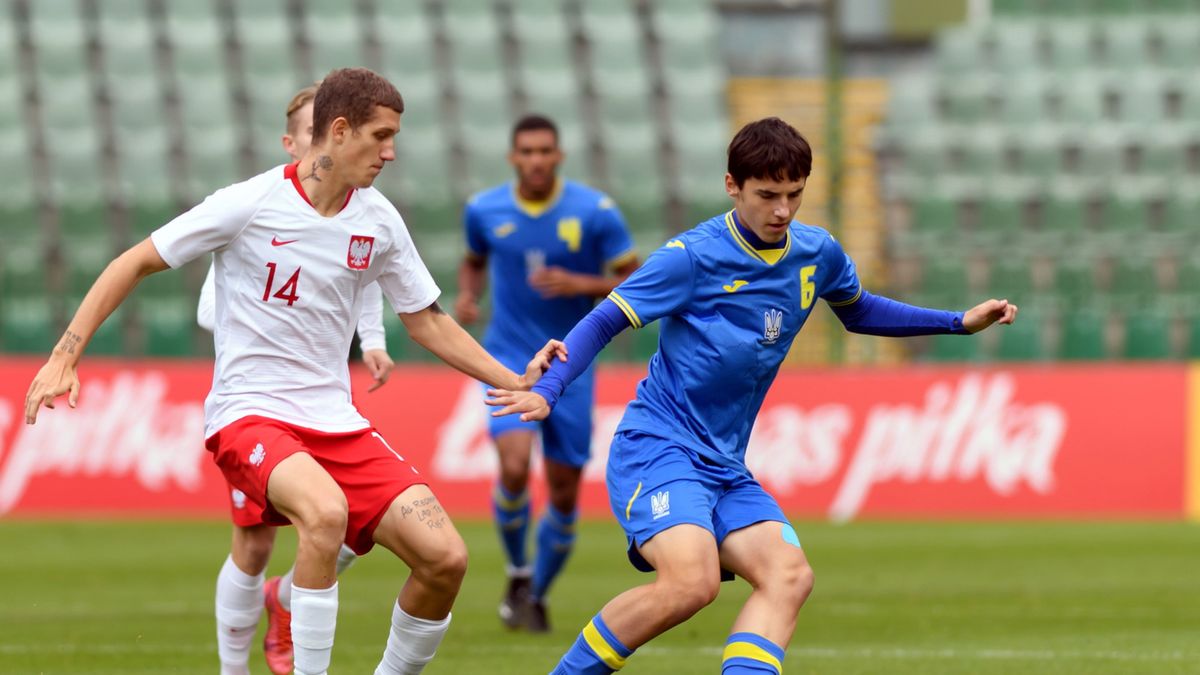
(352, 93)
(533, 122)
(769, 149)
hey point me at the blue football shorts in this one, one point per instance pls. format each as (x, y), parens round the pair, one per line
(655, 484)
(567, 432)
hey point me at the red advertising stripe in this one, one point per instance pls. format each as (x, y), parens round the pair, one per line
(1062, 441)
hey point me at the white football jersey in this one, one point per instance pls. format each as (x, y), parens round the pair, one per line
(289, 286)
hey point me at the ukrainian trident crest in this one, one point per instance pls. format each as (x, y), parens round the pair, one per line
(359, 255)
(772, 322)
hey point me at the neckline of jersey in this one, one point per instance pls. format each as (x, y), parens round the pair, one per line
(536, 209)
(292, 172)
(770, 256)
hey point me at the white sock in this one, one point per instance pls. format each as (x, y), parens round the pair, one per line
(411, 644)
(238, 608)
(314, 622)
(346, 558)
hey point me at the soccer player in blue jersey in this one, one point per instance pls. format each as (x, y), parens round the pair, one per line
(732, 294)
(548, 243)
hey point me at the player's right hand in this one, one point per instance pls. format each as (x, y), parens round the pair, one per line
(541, 362)
(466, 309)
(53, 380)
(531, 406)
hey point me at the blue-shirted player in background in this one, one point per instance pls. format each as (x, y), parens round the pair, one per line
(548, 243)
(732, 294)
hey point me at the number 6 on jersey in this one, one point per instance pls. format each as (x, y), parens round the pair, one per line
(287, 291)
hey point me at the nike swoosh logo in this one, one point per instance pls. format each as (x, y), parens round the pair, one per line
(275, 241)
(733, 288)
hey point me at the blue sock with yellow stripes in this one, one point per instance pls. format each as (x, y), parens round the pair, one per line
(555, 537)
(512, 520)
(751, 654)
(596, 652)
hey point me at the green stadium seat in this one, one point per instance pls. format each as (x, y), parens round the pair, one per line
(1083, 331)
(1070, 45)
(944, 281)
(1193, 349)
(1099, 152)
(953, 348)
(66, 104)
(1126, 211)
(1011, 277)
(1124, 44)
(1163, 150)
(144, 167)
(966, 98)
(335, 36)
(168, 324)
(26, 324)
(935, 211)
(1080, 99)
(487, 154)
(959, 50)
(631, 176)
(1064, 220)
(911, 100)
(1180, 41)
(1023, 340)
(1075, 279)
(1141, 97)
(925, 150)
(1038, 151)
(58, 33)
(23, 263)
(1147, 335)
(1014, 46)
(264, 34)
(17, 186)
(147, 215)
(1023, 102)
(196, 40)
(1002, 214)
(474, 36)
(1134, 280)
(9, 50)
(1181, 212)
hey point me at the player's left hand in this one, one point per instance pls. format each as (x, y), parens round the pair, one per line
(380, 365)
(531, 406)
(541, 363)
(987, 313)
(554, 282)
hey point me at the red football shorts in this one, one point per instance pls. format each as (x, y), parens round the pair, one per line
(242, 511)
(370, 473)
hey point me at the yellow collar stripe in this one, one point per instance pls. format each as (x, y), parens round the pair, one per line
(607, 654)
(629, 506)
(770, 256)
(624, 306)
(746, 650)
(851, 301)
(509, 504)
(534, 209)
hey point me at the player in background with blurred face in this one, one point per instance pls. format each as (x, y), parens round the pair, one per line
(241, 591)
(295, 247)
(553, 246)
(732, 293)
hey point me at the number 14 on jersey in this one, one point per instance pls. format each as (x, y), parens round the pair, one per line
(288, 291)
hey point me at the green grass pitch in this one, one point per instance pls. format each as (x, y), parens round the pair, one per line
(118, 597)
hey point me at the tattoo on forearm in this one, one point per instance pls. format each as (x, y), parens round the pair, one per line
(426, 511)
(69, 342)
(436, 308)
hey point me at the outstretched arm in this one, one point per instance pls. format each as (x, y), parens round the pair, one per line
(115, 283)
(877, 315)
(584, 342)
(436, 331)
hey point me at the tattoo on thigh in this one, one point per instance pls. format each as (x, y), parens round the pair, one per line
(426, 510)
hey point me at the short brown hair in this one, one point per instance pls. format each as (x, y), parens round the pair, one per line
(352, 93)
(533, 122)
(769, 148)
(301, 99)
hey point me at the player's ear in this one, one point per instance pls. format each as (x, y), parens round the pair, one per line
(339, 129)
(289, 144)
(731, 186)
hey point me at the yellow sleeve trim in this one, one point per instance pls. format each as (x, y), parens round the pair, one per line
(622, 258)
(628, 311)
(747, 650)
(629, 506)
(851, 301)
(607, 654)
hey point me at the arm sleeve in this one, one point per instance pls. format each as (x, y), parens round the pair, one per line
(616, 245)
(584, 342)
(661, 287)
(370, 320)
(210, 225)
(404, 279)
(877, 315)
(477, 242)
(206, 308)
(841, 286)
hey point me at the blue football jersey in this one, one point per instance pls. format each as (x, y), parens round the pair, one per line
(729, 314)
(578, 229)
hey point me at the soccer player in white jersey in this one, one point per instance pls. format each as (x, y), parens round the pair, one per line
(242, 594)
(295, 247)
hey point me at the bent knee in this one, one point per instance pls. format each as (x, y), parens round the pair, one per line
(324, 517)
(688, 595)
(794, 582)
(446, 567)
